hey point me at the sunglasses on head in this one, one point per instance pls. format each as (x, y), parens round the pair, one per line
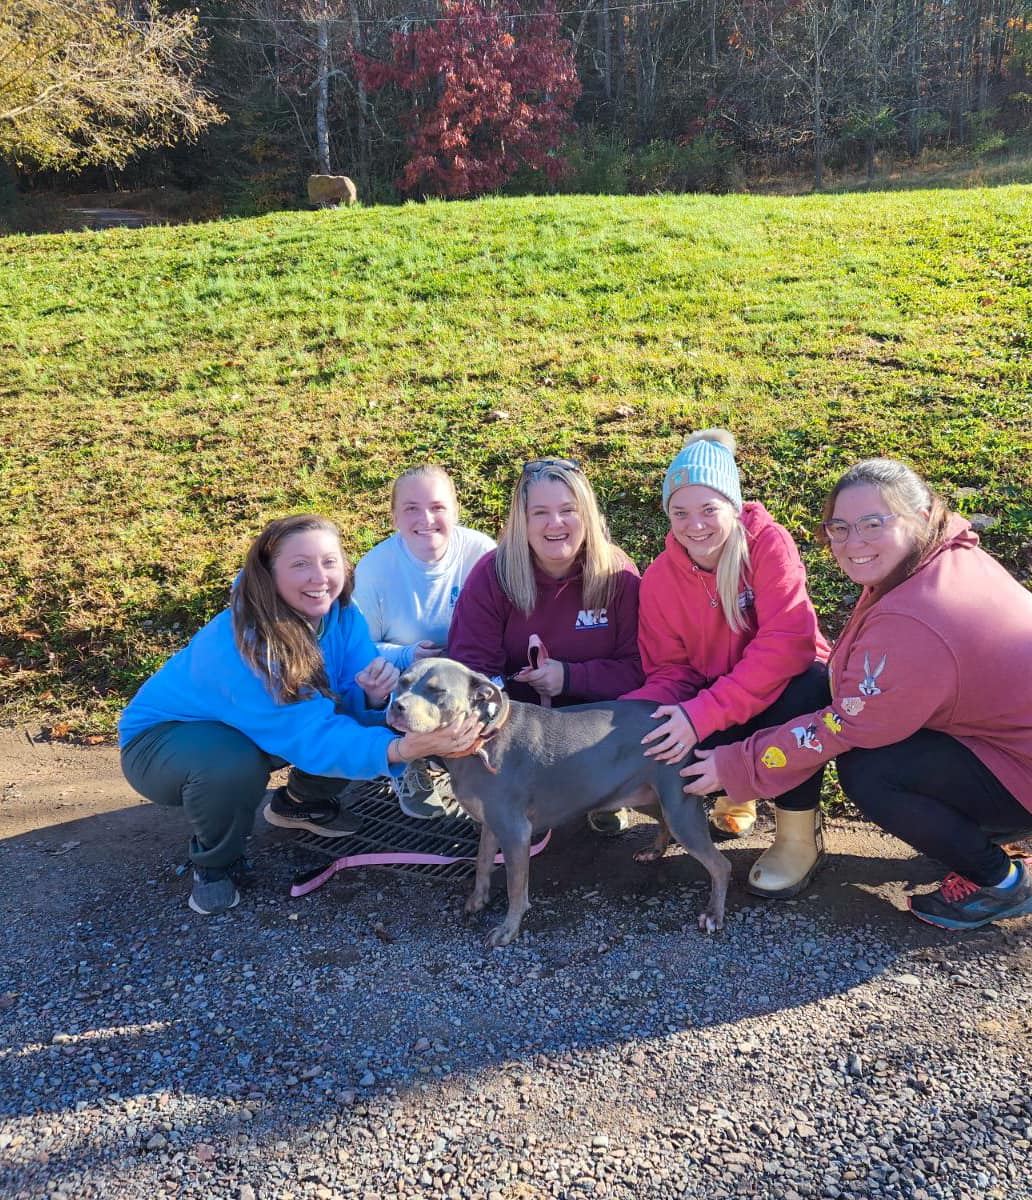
(541, 464)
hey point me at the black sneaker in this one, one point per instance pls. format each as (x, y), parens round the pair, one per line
(961, 904)
(326, 819)
(242, 870)
(213, 891)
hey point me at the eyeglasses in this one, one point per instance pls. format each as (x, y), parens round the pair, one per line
(541, 464)
(869, 528)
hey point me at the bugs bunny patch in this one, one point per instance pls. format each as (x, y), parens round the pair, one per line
(869, 685)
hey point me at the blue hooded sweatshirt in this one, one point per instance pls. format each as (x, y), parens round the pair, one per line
(209, 681)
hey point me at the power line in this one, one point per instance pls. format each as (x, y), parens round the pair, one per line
(206, 18)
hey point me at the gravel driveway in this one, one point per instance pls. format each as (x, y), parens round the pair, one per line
(361, 1042)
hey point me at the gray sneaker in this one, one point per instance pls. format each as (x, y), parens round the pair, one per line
(213, 891)
(423, 793)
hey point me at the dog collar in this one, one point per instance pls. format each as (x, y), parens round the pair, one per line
(491, 730)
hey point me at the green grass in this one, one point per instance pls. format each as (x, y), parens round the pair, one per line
(163, 392)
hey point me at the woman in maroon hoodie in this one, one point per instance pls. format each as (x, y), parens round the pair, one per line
(931, 697)
(554, 610)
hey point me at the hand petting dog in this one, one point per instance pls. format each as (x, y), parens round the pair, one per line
(702, 775)
(674, 738)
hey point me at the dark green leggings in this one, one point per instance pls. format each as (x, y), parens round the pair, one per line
(216, 774)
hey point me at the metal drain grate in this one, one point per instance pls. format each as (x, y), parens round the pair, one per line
(386, 829)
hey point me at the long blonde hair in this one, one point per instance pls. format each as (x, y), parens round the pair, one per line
(734, 565)
(601, 559)
(276, 642)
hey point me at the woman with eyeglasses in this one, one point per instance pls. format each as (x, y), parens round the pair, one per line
(407, 587)
(554, 610)
(930, 718)
(730, 644)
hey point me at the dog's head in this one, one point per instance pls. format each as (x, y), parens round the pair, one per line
(436, 691)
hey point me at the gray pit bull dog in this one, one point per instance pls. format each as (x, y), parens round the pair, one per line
(538, 767)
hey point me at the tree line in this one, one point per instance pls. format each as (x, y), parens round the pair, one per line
(464, 97)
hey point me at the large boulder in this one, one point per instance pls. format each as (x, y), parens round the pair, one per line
(331, 189)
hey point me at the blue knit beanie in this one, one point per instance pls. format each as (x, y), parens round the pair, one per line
(710, 461)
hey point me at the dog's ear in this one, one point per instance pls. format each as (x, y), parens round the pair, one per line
(486, 697)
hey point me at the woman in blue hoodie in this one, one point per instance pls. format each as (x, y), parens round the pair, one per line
(287, 674)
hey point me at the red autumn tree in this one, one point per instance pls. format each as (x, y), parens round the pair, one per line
(492, 90)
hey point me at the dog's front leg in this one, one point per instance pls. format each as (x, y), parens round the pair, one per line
(485, 863)
(516, 849)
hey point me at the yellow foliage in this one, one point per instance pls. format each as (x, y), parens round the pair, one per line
(82, 84)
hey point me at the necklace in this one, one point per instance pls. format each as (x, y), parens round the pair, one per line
(701, 575)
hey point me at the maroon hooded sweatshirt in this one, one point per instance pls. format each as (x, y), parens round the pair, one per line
(598, 648)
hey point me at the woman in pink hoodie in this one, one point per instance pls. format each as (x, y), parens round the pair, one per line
(930, 717)
(729, 641)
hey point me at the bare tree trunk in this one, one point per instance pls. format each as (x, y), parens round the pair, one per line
(322, 90)
(605, 40)
(619, 65)
(361, 167)
(818, 100)
(915, 12)
(645, 76)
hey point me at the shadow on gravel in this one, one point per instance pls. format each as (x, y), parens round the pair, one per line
(117, 1001)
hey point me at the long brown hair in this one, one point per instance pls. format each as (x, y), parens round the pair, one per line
(908, 496)
(274, 640)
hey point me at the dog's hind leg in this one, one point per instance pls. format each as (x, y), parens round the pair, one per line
(662, 840)
(485, 863)
(687, 819)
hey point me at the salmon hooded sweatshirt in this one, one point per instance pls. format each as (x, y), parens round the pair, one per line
(949, 649)
(691, 655)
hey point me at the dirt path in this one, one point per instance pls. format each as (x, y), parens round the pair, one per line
(362, 1042)
(75, 793)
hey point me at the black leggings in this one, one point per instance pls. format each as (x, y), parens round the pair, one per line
(805, 694)
(931, 792)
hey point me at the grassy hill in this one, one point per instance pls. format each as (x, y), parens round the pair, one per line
(163, 392)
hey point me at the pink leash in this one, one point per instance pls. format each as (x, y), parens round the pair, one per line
(309, 881)
(536, 654)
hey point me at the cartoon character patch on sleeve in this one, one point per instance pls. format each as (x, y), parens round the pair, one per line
(833, 721)
(869, 685)
(852, 706)
(773, 757)
(806, 737)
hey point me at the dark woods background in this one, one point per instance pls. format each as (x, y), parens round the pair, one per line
(605, 96)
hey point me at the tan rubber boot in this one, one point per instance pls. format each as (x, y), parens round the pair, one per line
(731, 820)
(798, 851)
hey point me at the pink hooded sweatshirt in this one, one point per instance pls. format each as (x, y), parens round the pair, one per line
(691, 655)
(949, 649)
